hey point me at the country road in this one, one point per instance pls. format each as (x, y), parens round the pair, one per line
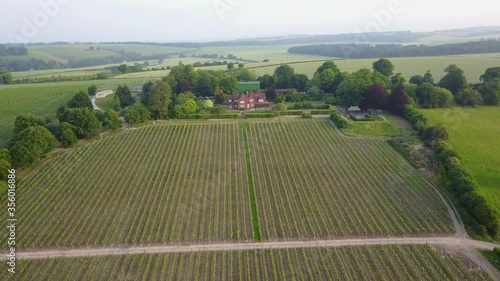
(443, 241)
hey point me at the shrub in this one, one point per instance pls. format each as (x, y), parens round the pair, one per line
(340, 121)
(483, 212)
(307, 115)
(261, 115)
(322, 112)
(433, 133)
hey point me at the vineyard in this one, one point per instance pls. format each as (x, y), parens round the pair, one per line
(311, 182)
(387, 262)
(160, 184)
(186, 182)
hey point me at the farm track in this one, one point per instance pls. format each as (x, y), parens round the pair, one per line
(87, 252)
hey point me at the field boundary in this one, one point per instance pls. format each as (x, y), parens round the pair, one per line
(251, 188)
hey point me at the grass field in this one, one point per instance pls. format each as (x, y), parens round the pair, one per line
(185, 182)
(36, 99)
(45, 98)
(108, 102)
(474, 133)
(473, 65)
(387, 262)
(381, 127)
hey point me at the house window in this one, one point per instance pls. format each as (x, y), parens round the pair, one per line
(230, 107)
(251, 100)
(242, 102)
(230, 100)
(261, 100)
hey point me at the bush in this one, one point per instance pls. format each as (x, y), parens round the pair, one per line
(261, 115)
(340, 121)
(211, 116)
(289, 112)
(367, 118)
(307, 115)
(434, 133)
(483, 212)
(322, 112)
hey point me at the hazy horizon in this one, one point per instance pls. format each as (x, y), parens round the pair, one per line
(210, 20)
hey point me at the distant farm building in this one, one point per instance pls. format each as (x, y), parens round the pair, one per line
(354, 109)
(249, 100)
(249, 86)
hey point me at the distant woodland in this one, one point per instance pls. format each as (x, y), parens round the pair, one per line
(397, 50)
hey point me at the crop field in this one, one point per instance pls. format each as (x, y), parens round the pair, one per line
(311, 182)
(387, 262)
(473, 65)
(161, 184)
(186, 183)
(36, 99)
(474, 134)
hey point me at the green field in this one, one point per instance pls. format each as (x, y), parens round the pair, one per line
(473, 65)
(36, 99)
(185, 182)
(474, 133)
(388, 262)
(45, 98)
(381, 127)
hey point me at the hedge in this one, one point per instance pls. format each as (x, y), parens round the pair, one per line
(210, 116)
(340, 121)
(288, 112)
(367, 118)
(261, 115)
(322, 112)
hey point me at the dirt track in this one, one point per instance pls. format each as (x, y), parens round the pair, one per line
(442, 241)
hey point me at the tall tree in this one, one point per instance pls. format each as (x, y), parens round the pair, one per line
(5, 77)
(266, 81)
(137, 114)
(468, 97)
(397, 100)
(490, 74)
(490, 91)
(426, 96)
(159, 100)
(80, 100)
(25, 121)
(124, 96)
(329, 64)
(300, 82)
(284, 76)
(92, 90)
(384, 66)
(67, 135)
(375, 97)
(454, 80)
(30, 145)
(83, 120)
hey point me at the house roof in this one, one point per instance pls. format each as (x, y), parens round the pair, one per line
(354, 108)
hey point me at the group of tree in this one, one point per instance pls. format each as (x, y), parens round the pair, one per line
(34, 137)
(14, 50)
(453, 88)
(5, 77)
(397, 50)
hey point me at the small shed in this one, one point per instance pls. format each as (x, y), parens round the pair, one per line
(354, 109)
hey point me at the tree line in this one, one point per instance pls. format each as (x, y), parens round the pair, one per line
(397, 50)
(6, 50)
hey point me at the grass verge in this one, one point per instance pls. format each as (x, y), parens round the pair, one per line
(251, 188)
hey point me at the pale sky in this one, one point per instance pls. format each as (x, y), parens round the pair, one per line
(204, 20)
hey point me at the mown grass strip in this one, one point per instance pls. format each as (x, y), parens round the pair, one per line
(251, 189)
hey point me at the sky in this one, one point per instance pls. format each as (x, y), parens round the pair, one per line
(208, 20)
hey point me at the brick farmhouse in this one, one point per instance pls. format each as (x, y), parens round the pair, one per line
(249, 100)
